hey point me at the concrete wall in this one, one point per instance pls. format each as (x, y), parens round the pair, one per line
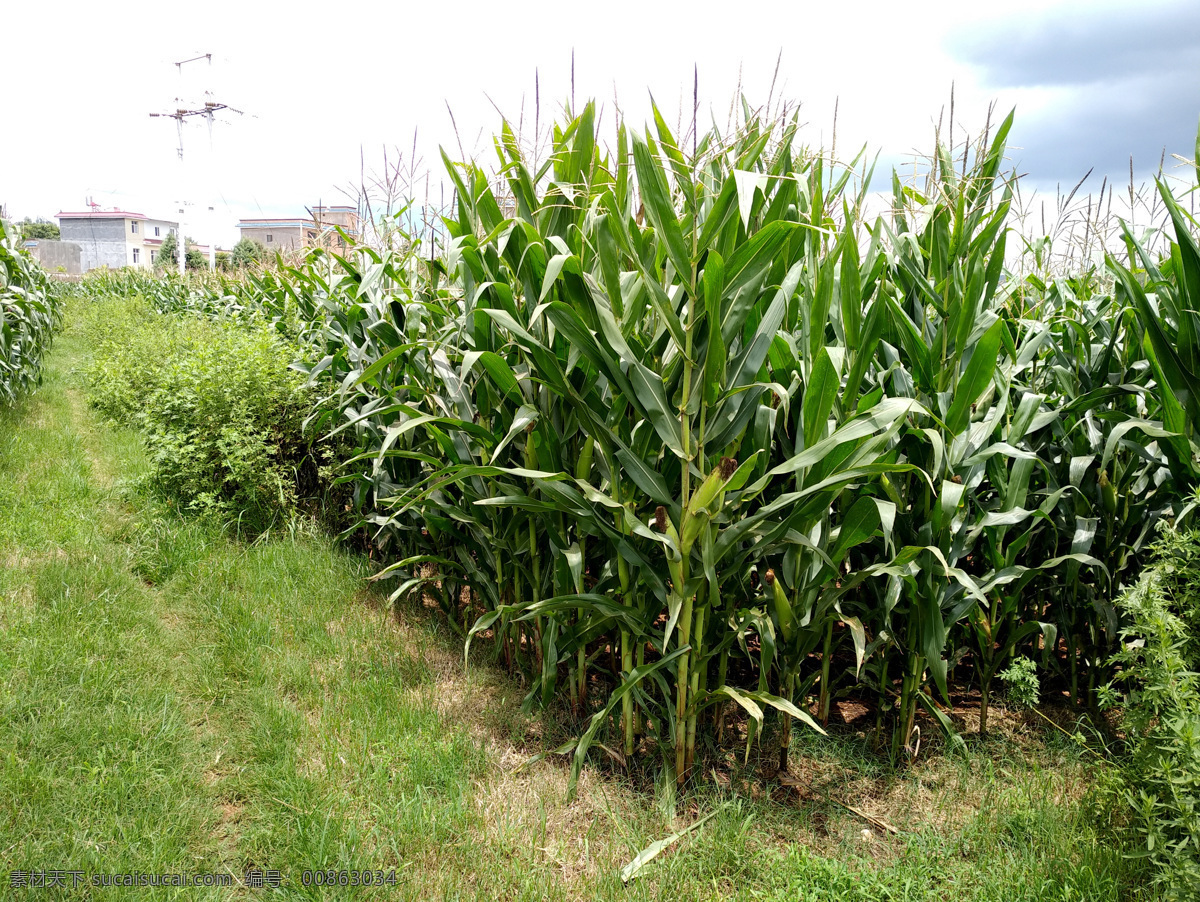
(102, 242)
(344, 217)
(55, 254)
(281, 237)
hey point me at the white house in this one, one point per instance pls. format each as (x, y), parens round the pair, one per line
(115, 238)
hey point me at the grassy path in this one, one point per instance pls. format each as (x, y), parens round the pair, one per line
(175, 703)
(171, 702)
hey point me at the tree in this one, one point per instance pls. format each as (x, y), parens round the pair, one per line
(246, 252)
(46, 231)
(168, 253)
(194, 259)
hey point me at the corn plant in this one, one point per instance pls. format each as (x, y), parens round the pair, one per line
(685, 436)
(683, 406)
(30, 311)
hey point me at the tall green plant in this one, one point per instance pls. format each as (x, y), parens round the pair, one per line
(30, 311)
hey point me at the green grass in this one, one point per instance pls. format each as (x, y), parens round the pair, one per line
(173, 701)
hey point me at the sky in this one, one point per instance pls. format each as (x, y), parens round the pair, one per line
(324, 89)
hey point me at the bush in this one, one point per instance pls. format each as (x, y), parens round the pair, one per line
(1177, 560)
(1021, 688)
(1157, 795)
(221, 409)
(194, 259)
(247, 252)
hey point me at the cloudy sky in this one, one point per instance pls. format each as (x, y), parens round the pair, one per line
(324, 88)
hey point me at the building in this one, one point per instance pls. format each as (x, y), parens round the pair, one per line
(115, 238)
(320, 229)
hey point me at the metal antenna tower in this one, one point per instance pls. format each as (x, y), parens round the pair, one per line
(208, 111)
(181, 112)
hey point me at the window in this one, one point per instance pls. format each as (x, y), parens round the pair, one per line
(136, 254)
(153, 256)
(156, 231)
(269, 238)
(133, 226)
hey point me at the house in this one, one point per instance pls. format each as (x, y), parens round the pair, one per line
(115, 238)
(320, 229)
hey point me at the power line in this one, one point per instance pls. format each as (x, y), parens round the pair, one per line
(182, 112)
(203, 56)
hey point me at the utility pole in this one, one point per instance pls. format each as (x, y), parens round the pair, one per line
(182, 112)
(181, 244)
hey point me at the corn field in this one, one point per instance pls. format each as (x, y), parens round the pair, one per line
(688, 439)
(29, 313)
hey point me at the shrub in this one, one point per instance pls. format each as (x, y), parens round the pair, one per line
(1021, 688)
(194, 259)
(1177, 559)
(1157, 794)
(221, 410)
(247, 252)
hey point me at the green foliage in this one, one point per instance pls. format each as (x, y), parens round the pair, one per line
(221, 410)
(696, 412)
(41, 229)
(1021, 686)
(194, 258)
(30, 312)
(137, 645)
(1177, 565)
(247, 252)
(168, 251)
(1157, 688)
(699, 439)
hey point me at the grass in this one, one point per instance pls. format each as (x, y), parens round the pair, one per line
(173, 701)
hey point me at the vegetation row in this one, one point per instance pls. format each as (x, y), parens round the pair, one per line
(691, 439)
(30, 310)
